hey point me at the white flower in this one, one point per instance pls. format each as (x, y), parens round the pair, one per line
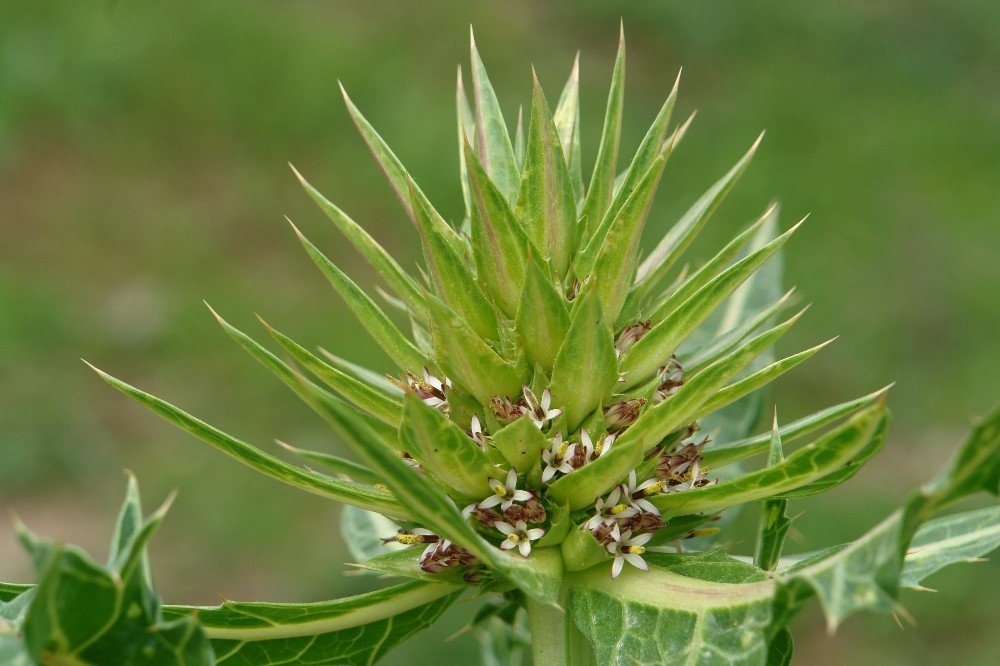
(628, 549)
(593, 451)
(519, 535)
(538, 410)
(557, 459)
(437, 395)
(637, 494)
(610, 510)
(476, 432)
(505, 494)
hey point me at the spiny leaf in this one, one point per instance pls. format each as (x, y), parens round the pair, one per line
(376, 322)
(774, 523)
(378, 404)
(498, 239)
(396, 174)
(466, 127)
(807, 464)
(725, 453)
(314, 482)
(615, 261)
(663, 339)
(454, 283)
(336, 464)
(398, 280)
(542, 319)
(567, 121)
(659, 262)
(371, 378)
(492, 137)
(585, 370)
(710, 269)
(602, 181)
(353, 630)
(546, 203)
(467, 359)
(962, 537)
(757, 380)
(445, 450)
(650, 149)
(521, 444)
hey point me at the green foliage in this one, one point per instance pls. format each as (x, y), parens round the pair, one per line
(542, 440)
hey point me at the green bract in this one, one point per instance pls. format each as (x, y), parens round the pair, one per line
(567, 420)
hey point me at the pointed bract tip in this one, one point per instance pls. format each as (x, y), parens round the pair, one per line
(574, 73)
(263, 323)
(294, 228)
(825, 343)
(298, 174)
(165, 507)
(215, 314)
(621, 30)
(677, 81)
(96, 369)
(286, 446)
(472, 39)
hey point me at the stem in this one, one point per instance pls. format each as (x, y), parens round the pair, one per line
(555, 640)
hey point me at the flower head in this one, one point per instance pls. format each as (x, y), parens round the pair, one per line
(610, 510)
(638, 492)
(505, 494)
(538, 410)
(558, 458)
(518, 535)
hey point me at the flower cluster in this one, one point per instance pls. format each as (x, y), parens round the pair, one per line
(430, 389)
(527, 404)
(518, 507)
(564, 457)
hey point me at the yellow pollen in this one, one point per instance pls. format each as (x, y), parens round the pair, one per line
(563, 448)
(501, 491)
(618, 508)
(635, 550)
(652, 489)
(408, 539)
(515, 537)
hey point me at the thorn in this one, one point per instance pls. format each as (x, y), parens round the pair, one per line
(167, 503)
(574, 74)
(286, 446)
(472, 39)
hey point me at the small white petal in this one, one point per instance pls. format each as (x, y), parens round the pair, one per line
(525, 548)
(511, 479)
(637, 561)
(548, 473)
(536, 533)
(489, 502)
(647, 506)
(504, 527)
(467, 511)
(641, 539)
(507, 544)
(616, 568)
(522, 495)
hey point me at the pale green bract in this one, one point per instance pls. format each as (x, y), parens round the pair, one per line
(567, 429)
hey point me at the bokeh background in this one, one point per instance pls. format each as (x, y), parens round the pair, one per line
(143, 150)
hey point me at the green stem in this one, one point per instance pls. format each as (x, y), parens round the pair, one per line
(555, 640)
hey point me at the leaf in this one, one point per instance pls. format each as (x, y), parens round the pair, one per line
(398, 280)
(349, 492)
(962, 537)
(585, 369)
(336, 464)
(602, 180)
(710, 269)
(757, 380)
(375, 321)
(466, 127)
(581, 487)
(546, 203)
(866, 574)
(492, 138)
(809, 463)
(659, 262)
(454, 283)
(521, 444)
(467, 359)
(774, 523)
(396, 174)
(430, 506)
(542, 319)
(445, 450)
(663, 339)
(615, 259)
(10, 591)
(661, 617)
(353, 630)
(365, 532)
(374, 402)
(370, 377)
(81, 612)
(567, 121)
(498, 239)
(519, 141)
(726, 453)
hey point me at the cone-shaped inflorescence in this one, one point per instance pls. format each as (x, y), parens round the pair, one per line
(552, 380)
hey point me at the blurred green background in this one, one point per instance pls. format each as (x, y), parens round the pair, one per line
(143, 150)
